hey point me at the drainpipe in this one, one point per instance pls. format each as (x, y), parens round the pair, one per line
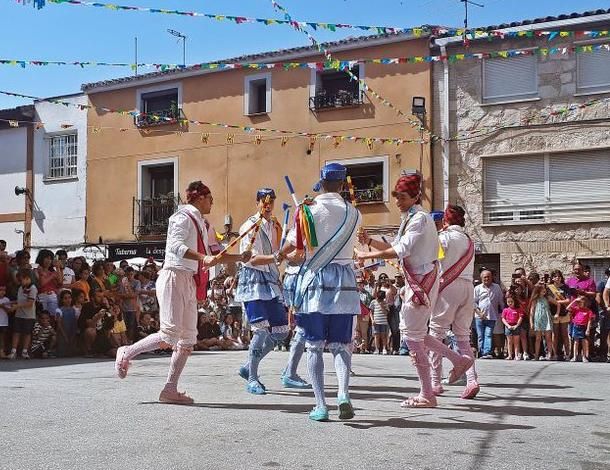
(445, 127)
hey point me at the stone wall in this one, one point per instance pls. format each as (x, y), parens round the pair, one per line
(544, 246)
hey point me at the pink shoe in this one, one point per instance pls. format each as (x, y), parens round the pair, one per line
(459, 370)
(121, 365)
(419, 402)
(471, 391)
(438, 390)
(176, 398)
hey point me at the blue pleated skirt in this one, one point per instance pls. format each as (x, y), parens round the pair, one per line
(254, 284)
(333, 291)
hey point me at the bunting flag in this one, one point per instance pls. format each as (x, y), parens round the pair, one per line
(418, 31)
(247, 129)
(319, 66)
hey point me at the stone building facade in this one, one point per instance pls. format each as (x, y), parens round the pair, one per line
(535, 180)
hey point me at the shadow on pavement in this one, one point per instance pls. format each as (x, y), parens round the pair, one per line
(456, 425)
(286, 408)
(515, 410)
(529, 386)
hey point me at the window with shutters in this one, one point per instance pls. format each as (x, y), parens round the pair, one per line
(370, 177)
(510, 79)
(593, 69)
(257, 94)
(547, 188)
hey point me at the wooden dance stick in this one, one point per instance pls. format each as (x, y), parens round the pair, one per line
(235, 242)
(352, 192)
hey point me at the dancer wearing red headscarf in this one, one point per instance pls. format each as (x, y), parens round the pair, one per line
(182, 281)
(455, 298)
(416, 245)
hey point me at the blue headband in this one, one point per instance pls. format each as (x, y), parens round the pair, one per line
(264, 192)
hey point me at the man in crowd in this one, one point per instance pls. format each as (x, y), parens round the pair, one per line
(488, 303)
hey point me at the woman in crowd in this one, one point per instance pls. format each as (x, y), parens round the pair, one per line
(559, 298)
(82, 284)
(50, 279)
(97, 281)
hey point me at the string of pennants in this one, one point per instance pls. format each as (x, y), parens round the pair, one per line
(473, 33)
(249, 130)
(329, 64)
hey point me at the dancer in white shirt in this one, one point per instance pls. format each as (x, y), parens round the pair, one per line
(188, 255)
(416, 245)
(454, 307)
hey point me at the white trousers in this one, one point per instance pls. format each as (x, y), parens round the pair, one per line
(414, 317)
(177, 298)
(454, 309)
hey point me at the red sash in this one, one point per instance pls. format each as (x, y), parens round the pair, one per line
(202, 275)
(458, 268)
(422, 289)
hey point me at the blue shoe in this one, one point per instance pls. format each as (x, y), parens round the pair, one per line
(297, 382)
(244, 373)
(346, 410)
(256, 388)
(319, 413)
(403, 352)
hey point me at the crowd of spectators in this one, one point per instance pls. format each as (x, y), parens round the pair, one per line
(60, 306)
(537, 316)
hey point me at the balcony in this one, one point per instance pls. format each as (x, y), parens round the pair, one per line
(363, 196)
(159, 118)
(151, 216)
(341, 99)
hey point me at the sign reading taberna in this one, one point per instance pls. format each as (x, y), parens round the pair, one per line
(119, 251)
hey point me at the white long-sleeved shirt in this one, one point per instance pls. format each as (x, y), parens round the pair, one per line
(418, 241)
(268, 229)
(455, 243)
(182, 235)
(328, 211)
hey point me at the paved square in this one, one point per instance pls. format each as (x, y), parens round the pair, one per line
(62, 414)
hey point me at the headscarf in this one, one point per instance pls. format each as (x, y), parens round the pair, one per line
(454, 215)
(409, 184)
(196, 190)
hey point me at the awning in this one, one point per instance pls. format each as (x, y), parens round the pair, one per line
(120, 251)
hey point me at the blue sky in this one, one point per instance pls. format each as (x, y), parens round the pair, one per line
(77, 33)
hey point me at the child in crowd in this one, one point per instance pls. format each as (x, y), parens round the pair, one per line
(380, 322)
(146, 327)
(582, 318)
(541, 322)
(78, 299)
(25, 314)
(228, 339)
(66, 320)
(512, 317)
(83, 283)
(44, 338)
(5, 310)
(118, 333)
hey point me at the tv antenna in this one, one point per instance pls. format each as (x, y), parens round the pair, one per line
(466, 3)
(179, 35)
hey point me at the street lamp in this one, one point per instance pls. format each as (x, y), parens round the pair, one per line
(418, 109)
(179, 35)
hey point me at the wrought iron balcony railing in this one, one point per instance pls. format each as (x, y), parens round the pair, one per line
(341, 99)
(151, 216)
(159, 118)
(365, 195)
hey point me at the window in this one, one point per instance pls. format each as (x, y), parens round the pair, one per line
(336, 89)
(63, 156)
(370, 178)
(159, 107)
(593, 70)
(257, 95)
(547, 188)
(157, 197)
(515, 78)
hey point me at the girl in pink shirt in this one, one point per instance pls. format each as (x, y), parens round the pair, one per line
(581, 327)
(512, 316)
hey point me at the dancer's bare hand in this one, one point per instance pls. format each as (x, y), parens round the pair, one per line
(209, 261)
(245, 256)
(361, 255)
(297, 256)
